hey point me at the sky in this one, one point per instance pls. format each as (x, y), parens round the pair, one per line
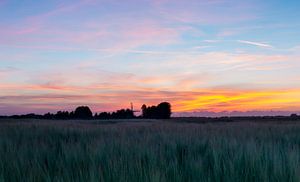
(202, 56)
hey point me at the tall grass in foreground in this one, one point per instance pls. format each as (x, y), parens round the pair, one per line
(153, 151)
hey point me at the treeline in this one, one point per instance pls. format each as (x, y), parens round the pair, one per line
(84, 112)
(161, 111)
(81, 112)
(119, 114)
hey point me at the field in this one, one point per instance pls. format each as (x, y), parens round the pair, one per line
(149, 150)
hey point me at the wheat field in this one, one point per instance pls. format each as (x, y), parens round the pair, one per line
(149, 150)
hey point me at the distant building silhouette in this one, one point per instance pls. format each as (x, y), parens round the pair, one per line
(132, 109)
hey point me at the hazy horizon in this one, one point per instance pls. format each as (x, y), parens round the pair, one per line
(196, 113)
(217, 56)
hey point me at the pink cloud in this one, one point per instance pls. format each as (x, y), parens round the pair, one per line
(126, 38)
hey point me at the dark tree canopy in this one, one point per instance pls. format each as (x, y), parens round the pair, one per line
(83, 112)
(119, 114)
(161, 111)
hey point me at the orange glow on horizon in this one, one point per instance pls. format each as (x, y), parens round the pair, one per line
(242, 101)
(60, 97)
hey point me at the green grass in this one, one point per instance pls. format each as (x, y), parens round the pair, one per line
(149, 151)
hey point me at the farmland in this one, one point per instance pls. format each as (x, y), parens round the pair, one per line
(149, 150)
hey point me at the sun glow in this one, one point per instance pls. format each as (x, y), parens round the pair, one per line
(243, 101)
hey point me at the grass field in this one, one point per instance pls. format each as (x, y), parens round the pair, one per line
(148, 150)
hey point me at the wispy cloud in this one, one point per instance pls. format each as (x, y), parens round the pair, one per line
(259, 44)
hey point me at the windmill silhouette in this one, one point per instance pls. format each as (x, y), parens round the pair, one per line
(131, 107)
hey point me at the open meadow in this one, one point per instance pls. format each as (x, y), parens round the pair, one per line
(149, 150)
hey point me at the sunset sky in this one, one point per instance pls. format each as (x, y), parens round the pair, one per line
(199, 55)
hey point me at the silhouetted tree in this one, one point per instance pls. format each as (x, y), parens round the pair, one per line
(122, 114)
(104, 115)
(48, 116)
(144, 111)
(161, 111)
(294, 116)
(83, 112)
(62, 115)
(72, 115)
(152, 112)
(119, 114)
